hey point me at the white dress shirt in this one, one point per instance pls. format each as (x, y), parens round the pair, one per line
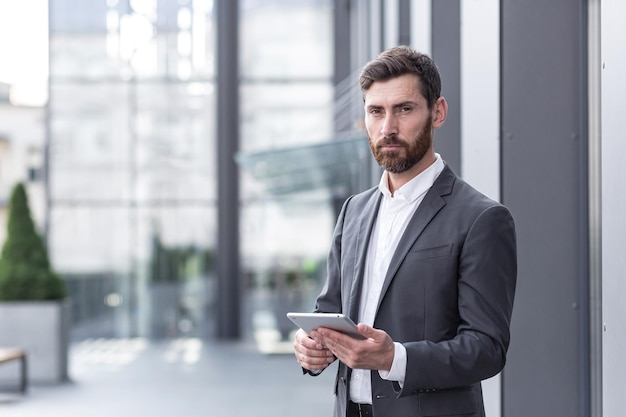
(393, 216)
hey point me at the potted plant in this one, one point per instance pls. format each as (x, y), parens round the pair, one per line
(34, 311)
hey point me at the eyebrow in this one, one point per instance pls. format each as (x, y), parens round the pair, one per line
(405, 103)
(395, 106)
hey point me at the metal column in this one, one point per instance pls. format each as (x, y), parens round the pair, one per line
(227, 262)
(544, 183)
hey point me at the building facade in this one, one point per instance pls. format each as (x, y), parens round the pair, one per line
(196, 153)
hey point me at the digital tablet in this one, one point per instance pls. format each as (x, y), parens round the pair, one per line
(335, 321)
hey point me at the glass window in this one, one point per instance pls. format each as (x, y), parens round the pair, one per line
(90, 142)
(286, 102)
(132, 175)
(286, 39)
(175, 142)
(276, 115)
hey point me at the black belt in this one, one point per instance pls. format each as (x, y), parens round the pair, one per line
(359, 410)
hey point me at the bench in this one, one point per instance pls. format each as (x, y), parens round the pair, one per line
(13, 354)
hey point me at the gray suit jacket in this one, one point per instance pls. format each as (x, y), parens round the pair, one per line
(447, 297)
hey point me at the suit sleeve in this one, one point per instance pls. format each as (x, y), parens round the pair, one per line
(330, 298)
(486, 285)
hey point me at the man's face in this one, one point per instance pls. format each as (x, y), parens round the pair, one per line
(398, 122)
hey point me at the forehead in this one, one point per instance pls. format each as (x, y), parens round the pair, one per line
(398, 89)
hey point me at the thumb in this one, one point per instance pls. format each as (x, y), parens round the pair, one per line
(367, 331)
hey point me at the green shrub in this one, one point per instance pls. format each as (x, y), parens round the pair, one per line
(25, 271)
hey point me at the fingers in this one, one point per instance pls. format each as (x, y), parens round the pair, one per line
(375, 352)
(338, 343)
(310, 354)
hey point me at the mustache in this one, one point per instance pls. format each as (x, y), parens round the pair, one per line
(390, 141)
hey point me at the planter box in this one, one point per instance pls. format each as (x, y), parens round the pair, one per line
(41, 328)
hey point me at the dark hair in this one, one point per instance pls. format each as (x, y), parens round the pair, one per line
(401, 60)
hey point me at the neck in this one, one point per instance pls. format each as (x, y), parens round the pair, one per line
(397, 180)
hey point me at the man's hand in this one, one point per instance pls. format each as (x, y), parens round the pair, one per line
(375, 352)
(311, 354)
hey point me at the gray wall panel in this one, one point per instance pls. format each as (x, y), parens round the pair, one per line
(446, 51)
(543, 146)
(613, 207)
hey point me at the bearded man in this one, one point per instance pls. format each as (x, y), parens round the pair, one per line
(424, 263)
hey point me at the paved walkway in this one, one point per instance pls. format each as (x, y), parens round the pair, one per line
(183, 377)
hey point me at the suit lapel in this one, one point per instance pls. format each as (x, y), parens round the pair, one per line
(431, 205)
(366, 225)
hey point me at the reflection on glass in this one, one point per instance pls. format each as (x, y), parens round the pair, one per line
(287, 96)
(131, 177)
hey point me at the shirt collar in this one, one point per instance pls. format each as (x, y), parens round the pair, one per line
(417, 186)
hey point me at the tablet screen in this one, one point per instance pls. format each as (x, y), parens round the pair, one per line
(335, 321)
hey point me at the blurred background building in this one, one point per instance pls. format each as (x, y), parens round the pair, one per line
(186, 159)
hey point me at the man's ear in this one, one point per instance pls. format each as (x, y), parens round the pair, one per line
(440, 112)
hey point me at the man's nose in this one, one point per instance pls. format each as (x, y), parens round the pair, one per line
(390, 125)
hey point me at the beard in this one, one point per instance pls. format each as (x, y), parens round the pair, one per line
(407, 154)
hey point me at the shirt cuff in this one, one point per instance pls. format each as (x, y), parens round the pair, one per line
(398, 366)
(314, 372)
